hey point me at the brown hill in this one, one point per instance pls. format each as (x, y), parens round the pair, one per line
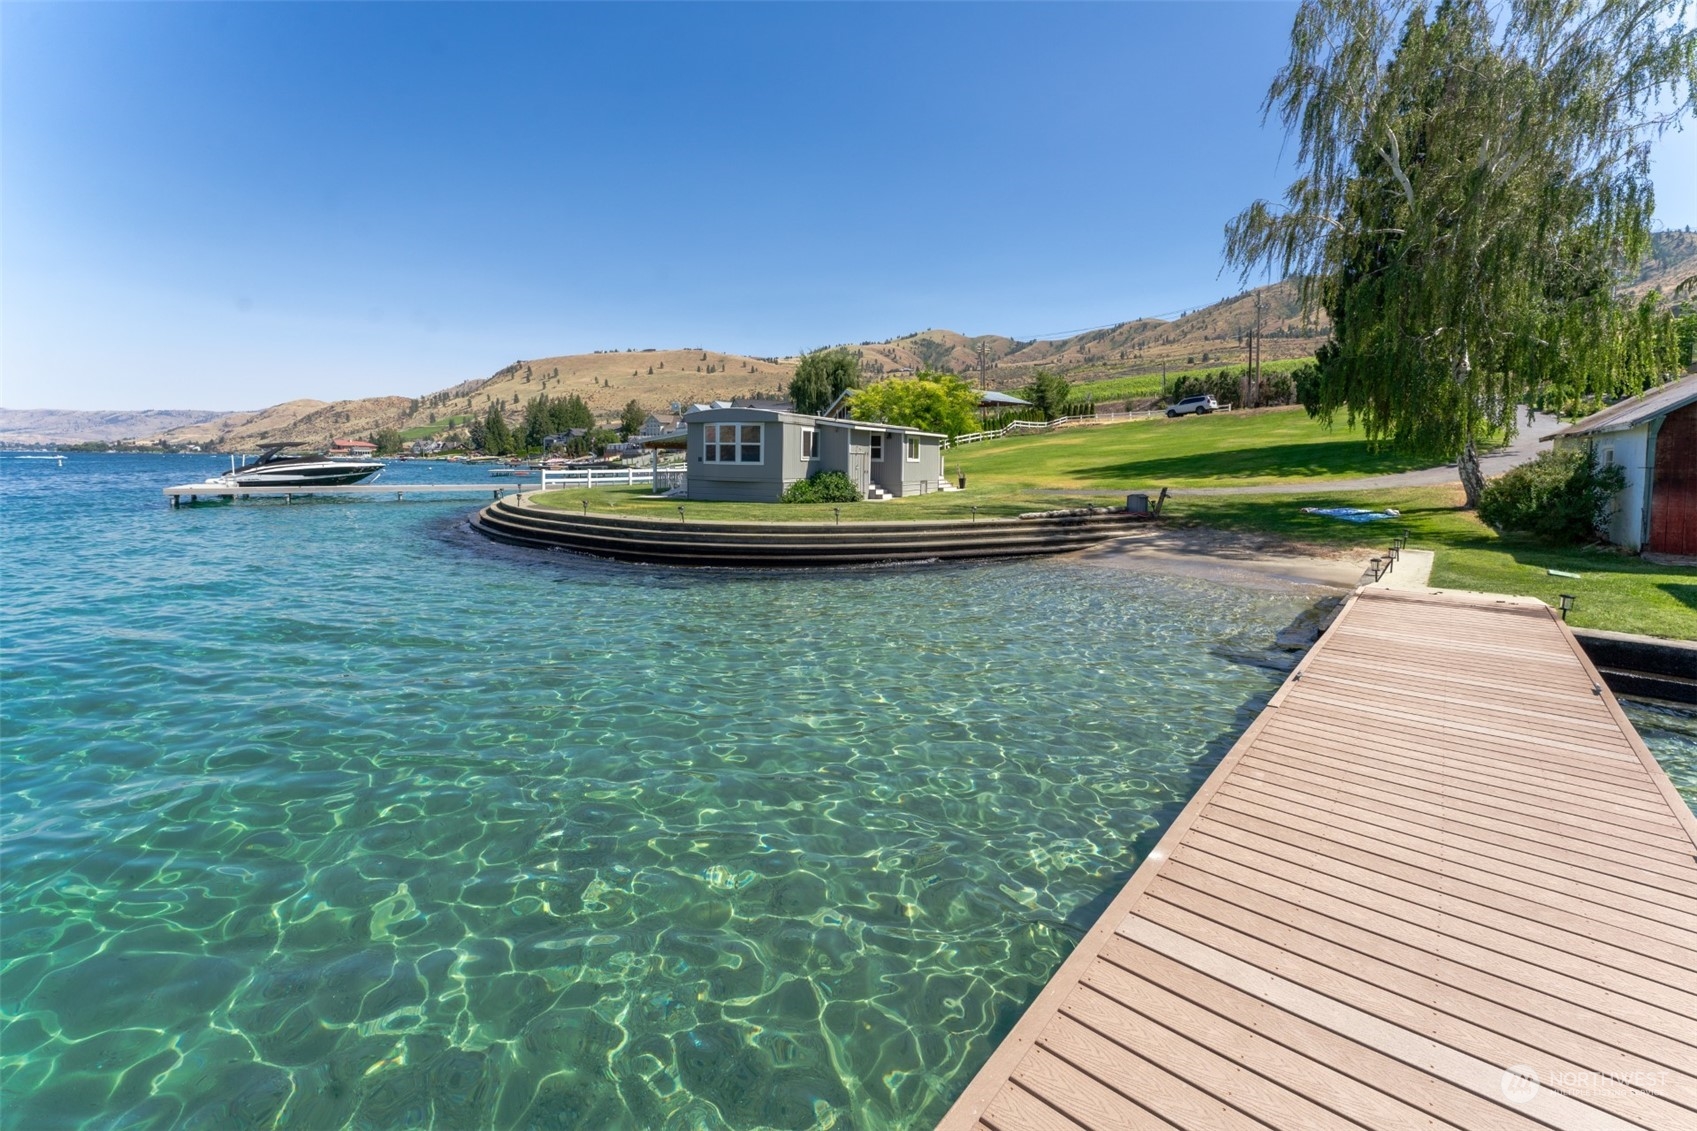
(1673, 260)
(658, 379)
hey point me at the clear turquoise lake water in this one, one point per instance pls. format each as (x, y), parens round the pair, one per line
(337, 815)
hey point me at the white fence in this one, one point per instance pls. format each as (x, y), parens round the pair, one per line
(1021, 426)
(664, 479)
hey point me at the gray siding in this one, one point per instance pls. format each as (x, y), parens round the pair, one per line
(733, 491)
(794, 467)
(736, 482)
(840, 447)
(925, 474)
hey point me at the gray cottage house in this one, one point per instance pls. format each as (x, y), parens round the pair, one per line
(751, 455)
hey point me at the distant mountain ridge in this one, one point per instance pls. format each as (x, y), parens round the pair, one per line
(1213, 335)
(52, 426)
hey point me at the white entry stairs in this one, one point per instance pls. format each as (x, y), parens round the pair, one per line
(877, 494)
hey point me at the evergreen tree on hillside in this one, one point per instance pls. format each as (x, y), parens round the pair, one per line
(498, 439)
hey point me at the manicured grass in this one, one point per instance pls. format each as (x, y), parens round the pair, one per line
(1219, 450)
(1614, 591)
(1149, 384)
(1077, 467)
(425, 431)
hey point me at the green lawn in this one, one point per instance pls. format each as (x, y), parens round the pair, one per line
(425, 431)
(1614, 591)
(1220, 450)
(1079, 467)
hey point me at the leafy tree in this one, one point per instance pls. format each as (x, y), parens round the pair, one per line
(1048, 393)
(388, 441)
(631, 419)
(1686, 328)
(1474, 180)
(821, 377)
(935, 402)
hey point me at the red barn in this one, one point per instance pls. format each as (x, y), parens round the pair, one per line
(1653, 437)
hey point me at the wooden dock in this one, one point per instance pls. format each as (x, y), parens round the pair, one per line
(1439, 882)
(195, 491)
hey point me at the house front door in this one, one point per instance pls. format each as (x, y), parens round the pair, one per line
(860, 467)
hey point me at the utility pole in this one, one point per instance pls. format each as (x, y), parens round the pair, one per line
(1255, 353)
(983, 354)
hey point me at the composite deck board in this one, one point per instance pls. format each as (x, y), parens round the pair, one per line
(1578, 777)
(1439, 853)
(1660, 880)
(1607, 823)
(1445, 882)
(1425, 765)
(1547, 1020)
(1505, 866)
(1415, 860)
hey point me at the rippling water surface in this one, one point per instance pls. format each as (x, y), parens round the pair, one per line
(335, 815)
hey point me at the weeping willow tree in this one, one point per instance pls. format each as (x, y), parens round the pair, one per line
(1473, 187)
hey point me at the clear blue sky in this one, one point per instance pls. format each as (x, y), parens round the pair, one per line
(230, 205)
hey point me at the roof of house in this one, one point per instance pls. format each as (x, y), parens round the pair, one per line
(719, 412)
(1634, 411)
(991, 399)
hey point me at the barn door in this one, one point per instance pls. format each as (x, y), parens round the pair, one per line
(1673, 486)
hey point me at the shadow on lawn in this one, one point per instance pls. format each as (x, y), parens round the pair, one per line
(1684, 594)
(1274, 461)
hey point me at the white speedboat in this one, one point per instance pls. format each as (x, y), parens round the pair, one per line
(274, 469)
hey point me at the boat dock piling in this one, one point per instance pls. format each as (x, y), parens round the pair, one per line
(193, 491)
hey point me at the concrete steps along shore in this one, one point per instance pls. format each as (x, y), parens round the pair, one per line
(795, 545)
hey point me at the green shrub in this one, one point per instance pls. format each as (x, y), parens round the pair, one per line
(822, 487)
(1221, 384)
(1277, 388)
(1562, 497)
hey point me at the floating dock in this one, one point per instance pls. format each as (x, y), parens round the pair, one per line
(193, 492)
(1439, 882)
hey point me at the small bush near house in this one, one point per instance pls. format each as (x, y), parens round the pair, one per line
(1561, 497)
(822, 487)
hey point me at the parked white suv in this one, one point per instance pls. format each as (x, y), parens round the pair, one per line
(1200, 404)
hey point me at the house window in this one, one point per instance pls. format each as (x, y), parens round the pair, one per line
(731, 443)
(1607, 457)
(913, 449)
(878, 448)
(809, 447)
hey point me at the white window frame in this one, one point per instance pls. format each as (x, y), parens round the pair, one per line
(714, 447)
(876, 444)
(913, 449)
(1606, 456)
(809, 444)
